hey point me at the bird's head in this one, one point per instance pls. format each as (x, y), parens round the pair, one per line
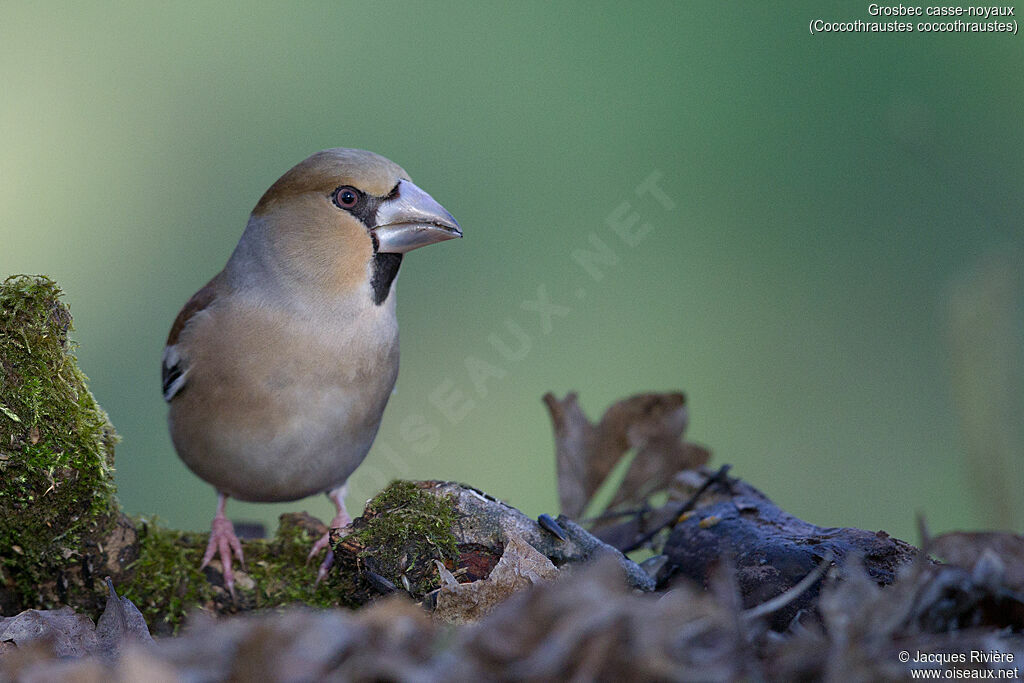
(344, 215)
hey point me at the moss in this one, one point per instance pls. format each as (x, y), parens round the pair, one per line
(167, 583)
(402, 532)
(56, 443)
(280, 571)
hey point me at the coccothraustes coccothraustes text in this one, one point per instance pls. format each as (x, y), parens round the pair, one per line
(278, 370)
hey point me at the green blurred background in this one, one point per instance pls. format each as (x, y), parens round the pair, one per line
(837, 286)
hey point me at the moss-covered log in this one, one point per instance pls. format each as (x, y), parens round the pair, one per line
(60, 527)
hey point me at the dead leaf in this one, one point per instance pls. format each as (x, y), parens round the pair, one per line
(120, 623)
(68, 634)
(520, 567)
(580, 471)
(656, 462)
(652, 424)
(74, 635)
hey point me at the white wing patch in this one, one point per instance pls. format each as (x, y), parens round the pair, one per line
(174, 372)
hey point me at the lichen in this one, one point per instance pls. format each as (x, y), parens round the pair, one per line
(402, 532)
(56, 443)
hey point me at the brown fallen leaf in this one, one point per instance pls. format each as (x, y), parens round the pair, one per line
(120, 624)
(651, 424)
(69, 634)
(582, 465)
(656, 462)
(520, 567)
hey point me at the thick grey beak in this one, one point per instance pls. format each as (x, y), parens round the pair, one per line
(412, 220)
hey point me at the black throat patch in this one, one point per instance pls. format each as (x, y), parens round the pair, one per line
(385, 270)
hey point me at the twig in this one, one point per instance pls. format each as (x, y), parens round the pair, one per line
(616, 514)
(783, 599)
(716, 478)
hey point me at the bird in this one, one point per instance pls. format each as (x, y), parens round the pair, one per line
(278, 370)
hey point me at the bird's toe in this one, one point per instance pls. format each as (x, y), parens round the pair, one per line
(325, 566)
(223, 542)
(321, 543)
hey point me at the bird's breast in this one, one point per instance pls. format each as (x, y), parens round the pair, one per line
(297, 411)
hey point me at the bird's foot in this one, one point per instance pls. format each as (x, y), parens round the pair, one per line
(340, 521)
(222, 542)
(328, 561)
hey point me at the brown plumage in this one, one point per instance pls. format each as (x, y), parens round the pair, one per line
(278, 370)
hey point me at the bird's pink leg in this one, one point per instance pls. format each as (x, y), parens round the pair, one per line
(340, 521)
(222, 541)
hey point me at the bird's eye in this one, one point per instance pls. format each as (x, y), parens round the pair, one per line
(345, 197)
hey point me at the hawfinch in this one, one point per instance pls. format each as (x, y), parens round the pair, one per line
(277, 371)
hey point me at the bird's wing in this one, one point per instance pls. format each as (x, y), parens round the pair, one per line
(174, 366)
